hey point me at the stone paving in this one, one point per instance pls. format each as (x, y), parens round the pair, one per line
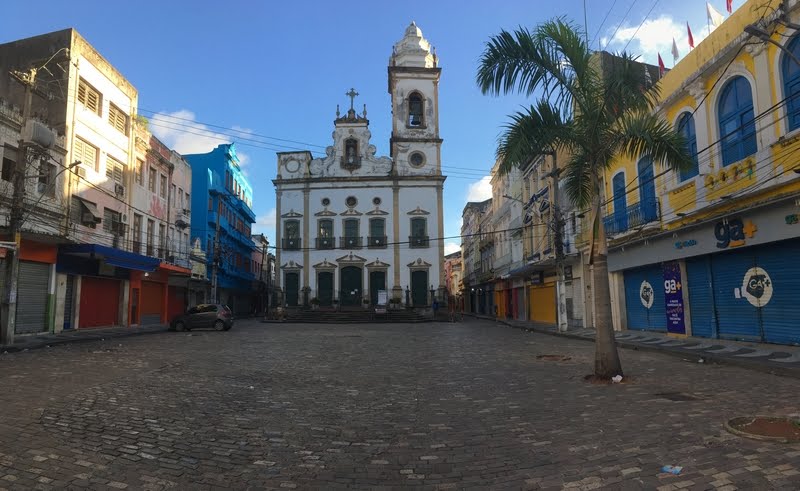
(427, 406)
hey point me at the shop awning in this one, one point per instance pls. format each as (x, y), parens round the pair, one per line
(113, 257)
(91, 208)
(172, 268)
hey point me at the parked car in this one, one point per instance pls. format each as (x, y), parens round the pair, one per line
(216, 316)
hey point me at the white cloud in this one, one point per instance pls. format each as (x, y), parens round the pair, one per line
(654, 37)
(481, 190)
(451, 247)
(180, 131)
(265, 223)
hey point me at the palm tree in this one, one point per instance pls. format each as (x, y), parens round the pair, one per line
(592, 108)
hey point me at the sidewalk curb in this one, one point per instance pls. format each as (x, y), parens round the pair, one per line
(708, 358)
(98, 336)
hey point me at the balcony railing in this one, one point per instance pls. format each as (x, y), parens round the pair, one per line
(419, 241)
(326, 243)
(350, 242)
(635, 215)
(376, 242)
(291, 244)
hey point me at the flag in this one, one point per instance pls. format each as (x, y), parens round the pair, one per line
(729, 6)
(714, 17)
(675, 53)
(691, 39)
(661, 67)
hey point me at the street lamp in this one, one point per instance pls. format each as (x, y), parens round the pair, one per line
(760, 33)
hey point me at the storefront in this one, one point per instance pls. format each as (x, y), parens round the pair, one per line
(34, 286)
(733, 278)
(542, 298)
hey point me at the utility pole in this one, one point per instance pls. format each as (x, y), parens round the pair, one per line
(561, 297)
(215, 265)
(27, 79)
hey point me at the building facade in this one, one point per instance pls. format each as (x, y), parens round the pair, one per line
(222, 218)
(710, 251)
(351, 224)
(452, 272)
(477, 257)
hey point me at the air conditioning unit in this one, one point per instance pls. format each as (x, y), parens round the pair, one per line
(81, 172)
(124, 218)
(119, 189)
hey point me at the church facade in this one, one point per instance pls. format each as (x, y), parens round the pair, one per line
(351, 225)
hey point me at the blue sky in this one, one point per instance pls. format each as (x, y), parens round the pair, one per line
(259, 73)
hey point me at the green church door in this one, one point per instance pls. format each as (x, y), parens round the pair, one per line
(292, 289)
(419, 288)
(325, 288)
(377, 281)
(351, 288)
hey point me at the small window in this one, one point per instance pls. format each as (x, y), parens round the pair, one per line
(415, 110)
(86, 153)
(326, 201)
(417, 159)
(377, 227)
(351, 150)
(419, 227)
(291, 229)
(112, 221)
(376, 201)
(9, 163)
(351, 201)
(163, 189)
(139, 172)
(151, 180)
(89, 97)
(325, 228)
(118, 119)
(351, 227)
(115, 170)
(686, 128)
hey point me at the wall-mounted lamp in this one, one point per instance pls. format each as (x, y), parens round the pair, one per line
(146, 274)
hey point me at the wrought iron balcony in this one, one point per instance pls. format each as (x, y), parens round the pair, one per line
(326, 243)
(419, 241)
(350, 242)
(633, 216)
(291, 244)
(376, 242)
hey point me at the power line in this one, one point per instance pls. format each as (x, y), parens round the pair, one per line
(620, 24)
(640, 25)
(602, 24)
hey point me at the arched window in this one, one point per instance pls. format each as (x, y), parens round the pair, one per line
(737, 127)
(791, 84)
(415, 110)
(686, 128)
(351, 150)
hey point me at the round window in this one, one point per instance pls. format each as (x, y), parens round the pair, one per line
(351, 201)
(417, 159)
(325, 201)
(376, 201)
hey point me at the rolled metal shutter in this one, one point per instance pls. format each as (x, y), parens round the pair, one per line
(644, 298)
(780, 309)
(701, 298)
(99, 302)
(68, 301)
(152, 299)
(34, 280)
(543, 305)
(736, 317)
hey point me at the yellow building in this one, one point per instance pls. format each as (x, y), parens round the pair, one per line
(713, 251)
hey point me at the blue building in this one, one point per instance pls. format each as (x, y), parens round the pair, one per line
(221, 210)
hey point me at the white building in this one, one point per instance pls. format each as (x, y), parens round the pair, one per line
(351, 224)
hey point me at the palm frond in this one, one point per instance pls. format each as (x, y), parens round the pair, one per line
(578, 181)
(629, 85)
(540, 128)
(640, 133)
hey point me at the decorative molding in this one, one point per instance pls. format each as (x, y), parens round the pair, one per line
(325, 265)
(292, 214)
(377, 264)
(418, 211)
(377, 211)
(292, 266)
(325, 213)
(351, 259)
(419, 264)
(351, 213)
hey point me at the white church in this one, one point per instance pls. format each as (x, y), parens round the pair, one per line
(352, 225)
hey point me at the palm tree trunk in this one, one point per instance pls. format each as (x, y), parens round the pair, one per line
(606, 357)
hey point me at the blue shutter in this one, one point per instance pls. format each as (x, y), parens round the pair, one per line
(701, 302)
(780, 317)
(640, 317)
(736, 317)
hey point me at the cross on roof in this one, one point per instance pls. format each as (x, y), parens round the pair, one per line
(352, 95)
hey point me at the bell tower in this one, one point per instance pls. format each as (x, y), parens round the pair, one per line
(415, 145)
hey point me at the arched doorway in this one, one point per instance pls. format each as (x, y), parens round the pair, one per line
(647, 189)
(325, 288)
(292, 289)
(351, 287)
(377, 281)
(419, 288)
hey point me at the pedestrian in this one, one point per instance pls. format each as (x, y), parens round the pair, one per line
(451, 309)
(435, 308)
(496, 317)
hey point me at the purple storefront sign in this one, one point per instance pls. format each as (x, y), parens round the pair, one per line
(673, 298)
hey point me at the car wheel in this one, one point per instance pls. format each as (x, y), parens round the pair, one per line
(180, 326)
(219, 325)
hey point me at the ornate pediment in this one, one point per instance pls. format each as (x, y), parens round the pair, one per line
(419, 212)
(419, 263)
(325, 213)
(291, 265)
(351, 213)
(351, 259)
(292, 214)
(325, 264)
(377, 211)
(377, 264)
